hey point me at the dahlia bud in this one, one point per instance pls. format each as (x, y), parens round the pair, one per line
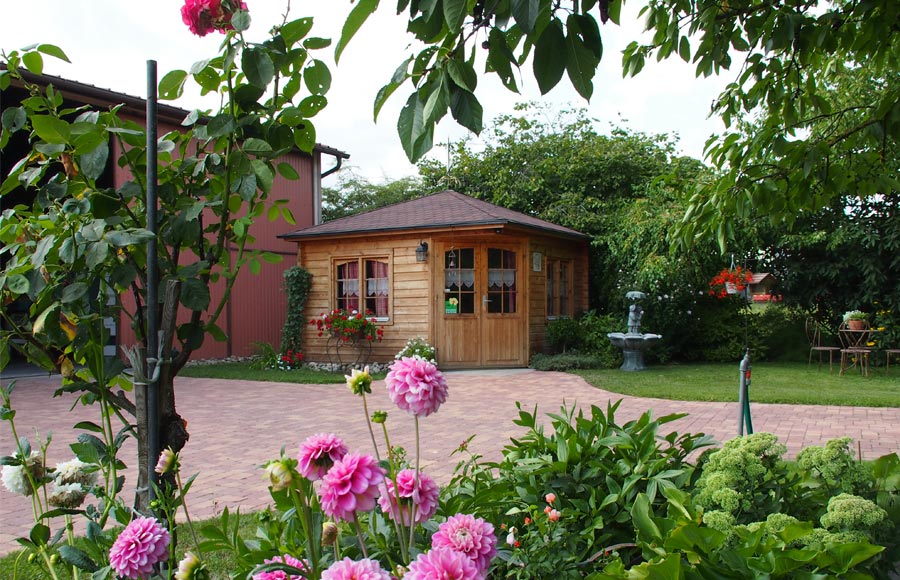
(379, 416)
(279, 475)
(329, 533)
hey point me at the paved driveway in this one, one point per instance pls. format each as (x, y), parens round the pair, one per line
(236, 426)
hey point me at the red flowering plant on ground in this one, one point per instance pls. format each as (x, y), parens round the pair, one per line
(348, 325)
(290, 360)
(729, 281)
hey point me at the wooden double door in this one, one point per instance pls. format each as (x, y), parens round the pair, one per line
(480, 305)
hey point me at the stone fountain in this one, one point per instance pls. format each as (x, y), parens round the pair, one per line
(633, 343)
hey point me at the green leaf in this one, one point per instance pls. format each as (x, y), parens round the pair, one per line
(410, 126)
(305, 136)
(548, 64)
(455, 14)
(78, 558)
(258, 67)
(53, 50)
(525, 13)
(220, 125)
(172, 85)
(311, 105)
(88, 426)
(400, 76)
(462, 74)
(34, 62)
(295, 30)
(355, 20)
(316, 43)
(17, 284)
(13, 118)
(317, 77)
(73, 292)
(580, 61)
(50, 129)
(194, 294)
(684, 49)
(217, 333)
(466, 109)
(255, 146)
(240, 20)
(93, 163)
(264, 174)
(287, 171)
(96, 254)
(39, 534)
(500, 59)
(643, 520)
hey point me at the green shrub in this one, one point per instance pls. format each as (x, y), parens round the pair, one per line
(297, 283)
(566, 361)
(594, 468)
(564, 334)
(595, 328)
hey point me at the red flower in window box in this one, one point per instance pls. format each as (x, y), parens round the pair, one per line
(729, 282)
(345, 326)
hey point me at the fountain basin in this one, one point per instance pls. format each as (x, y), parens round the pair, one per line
(633, 346)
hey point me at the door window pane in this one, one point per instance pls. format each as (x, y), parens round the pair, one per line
(502, 286)
(459, 281)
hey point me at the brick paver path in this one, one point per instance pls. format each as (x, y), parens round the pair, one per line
(236, 426)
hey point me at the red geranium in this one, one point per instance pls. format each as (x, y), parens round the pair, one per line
(346, 326)
(727, 279)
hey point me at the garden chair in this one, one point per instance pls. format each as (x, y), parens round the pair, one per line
(887, 353)
(814, 336)
(854, 348)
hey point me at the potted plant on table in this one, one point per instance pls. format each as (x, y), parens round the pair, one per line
(856, 319)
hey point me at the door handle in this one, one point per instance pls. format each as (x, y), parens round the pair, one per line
(485, 299)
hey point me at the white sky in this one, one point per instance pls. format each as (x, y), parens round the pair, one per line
(110, 41)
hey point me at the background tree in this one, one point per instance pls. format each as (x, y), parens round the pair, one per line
(355, 194)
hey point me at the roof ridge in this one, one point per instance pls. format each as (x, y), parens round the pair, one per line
(480, 204)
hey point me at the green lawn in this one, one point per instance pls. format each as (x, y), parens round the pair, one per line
(770, 383)
(242, 371)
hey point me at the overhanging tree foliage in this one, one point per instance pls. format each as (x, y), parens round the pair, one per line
(788, 148)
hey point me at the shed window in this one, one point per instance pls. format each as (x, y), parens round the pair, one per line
(363, 284)
(559, 288)
(502, 288)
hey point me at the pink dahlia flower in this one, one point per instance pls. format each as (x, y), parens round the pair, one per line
(139, 547)
(442, 564)
(350, 486)
(318, 453)
(425, 497)
(348, 569)
(281, 574)
(416, 386)
(204, 16)
(472, 536)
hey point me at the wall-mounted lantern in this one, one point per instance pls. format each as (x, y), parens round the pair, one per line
(422, 252)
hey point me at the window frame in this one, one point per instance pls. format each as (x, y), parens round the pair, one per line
(361, 259)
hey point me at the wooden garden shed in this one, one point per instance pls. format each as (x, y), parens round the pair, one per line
(478, 281)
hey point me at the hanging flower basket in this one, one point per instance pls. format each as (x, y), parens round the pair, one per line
(730, 282)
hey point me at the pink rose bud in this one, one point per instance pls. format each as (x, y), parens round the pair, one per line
(550, 497)
(553, 515)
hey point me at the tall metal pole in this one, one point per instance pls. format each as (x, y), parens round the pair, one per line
(152, 280)
(744, 397)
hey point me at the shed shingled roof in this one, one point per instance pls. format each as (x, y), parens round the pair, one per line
(444, 209)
